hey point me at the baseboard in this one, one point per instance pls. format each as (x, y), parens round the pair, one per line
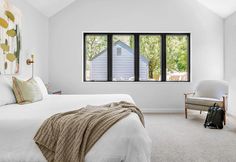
(172, 110)
(167, 110)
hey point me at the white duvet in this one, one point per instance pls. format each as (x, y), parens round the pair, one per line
(126, 141)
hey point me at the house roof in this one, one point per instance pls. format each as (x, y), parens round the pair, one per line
(123, 45)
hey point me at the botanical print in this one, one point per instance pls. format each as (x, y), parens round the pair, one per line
(10, 39)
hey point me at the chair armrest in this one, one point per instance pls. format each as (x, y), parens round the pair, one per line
(225, 102)
(225, 96)
(187, 94)
(190, 93)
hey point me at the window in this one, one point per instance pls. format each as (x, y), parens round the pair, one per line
(123, 62)
(127, 57)
(177, 57)
(150, 57)
(96, 57)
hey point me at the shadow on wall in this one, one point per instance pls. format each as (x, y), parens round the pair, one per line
(232, 97)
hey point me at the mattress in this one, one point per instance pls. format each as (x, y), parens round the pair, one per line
(126, 141)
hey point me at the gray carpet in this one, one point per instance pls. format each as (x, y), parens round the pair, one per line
(176, 139)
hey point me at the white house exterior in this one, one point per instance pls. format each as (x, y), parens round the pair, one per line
(123, 64)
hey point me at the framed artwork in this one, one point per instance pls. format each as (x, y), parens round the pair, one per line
(10, 38)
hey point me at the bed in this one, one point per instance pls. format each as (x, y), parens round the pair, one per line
(126, 141)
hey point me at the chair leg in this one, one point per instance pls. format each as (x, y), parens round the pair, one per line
(225, 107)
(225, 119)
(186, 113)
(200, 111)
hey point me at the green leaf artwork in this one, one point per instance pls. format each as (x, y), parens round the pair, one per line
(4, 47)
(11, 33)
(3, 23)
(10, 15)
(11, 57)
(10, 39)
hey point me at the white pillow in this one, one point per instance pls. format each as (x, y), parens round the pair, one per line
(42, 87)
(6, 93)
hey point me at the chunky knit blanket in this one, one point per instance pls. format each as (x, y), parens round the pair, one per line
(67, 137)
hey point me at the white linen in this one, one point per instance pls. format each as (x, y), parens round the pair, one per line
(6, 94)
(126, 141)
(42, 87)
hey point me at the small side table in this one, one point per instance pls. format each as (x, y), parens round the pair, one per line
(54, 91)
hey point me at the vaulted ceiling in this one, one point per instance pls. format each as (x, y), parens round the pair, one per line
(223, 8)
(50, 7)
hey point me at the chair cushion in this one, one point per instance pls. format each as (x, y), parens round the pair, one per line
(204, 101)
(212, 89)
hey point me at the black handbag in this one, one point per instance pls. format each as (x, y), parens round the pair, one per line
(215, 117)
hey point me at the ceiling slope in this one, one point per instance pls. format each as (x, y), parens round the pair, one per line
(50, 7)
(223, 8)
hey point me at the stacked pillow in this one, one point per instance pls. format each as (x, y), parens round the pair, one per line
(6, 94)
(18, 91)
(42, 87)
(26, 91)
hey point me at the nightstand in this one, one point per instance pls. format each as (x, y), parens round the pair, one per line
(52, 90)
(56, 92)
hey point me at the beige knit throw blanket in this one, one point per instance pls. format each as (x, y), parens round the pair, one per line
(67, 137)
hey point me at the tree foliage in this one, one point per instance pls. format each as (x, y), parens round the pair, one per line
(94, 45)
(177, 48)
(150, 47)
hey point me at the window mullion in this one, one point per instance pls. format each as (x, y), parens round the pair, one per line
(136, 57)
(85, 59)
(163, 57)
(109, 57)
(189, 71)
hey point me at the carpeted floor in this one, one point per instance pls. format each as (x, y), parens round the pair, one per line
(176, 139)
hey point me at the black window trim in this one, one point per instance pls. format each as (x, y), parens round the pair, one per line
(136, 55)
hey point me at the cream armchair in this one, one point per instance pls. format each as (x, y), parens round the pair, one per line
(207, 93)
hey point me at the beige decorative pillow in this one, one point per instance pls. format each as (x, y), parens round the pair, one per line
(26, 91)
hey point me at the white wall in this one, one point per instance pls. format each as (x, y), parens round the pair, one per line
(230, 58)
(65, 38)
(34, 34)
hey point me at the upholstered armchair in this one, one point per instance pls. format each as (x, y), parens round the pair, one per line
(207, 93)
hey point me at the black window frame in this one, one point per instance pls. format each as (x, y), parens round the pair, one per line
(136, 56)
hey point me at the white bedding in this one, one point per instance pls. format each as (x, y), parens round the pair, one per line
(126, 141)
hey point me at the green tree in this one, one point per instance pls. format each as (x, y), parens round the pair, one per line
(150, 47)
(177, 48)
(127, 39)
(94, 45)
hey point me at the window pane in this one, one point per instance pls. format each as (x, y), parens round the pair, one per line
(150, 57)
(96, 57)
(123, 58)
(177, 58)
